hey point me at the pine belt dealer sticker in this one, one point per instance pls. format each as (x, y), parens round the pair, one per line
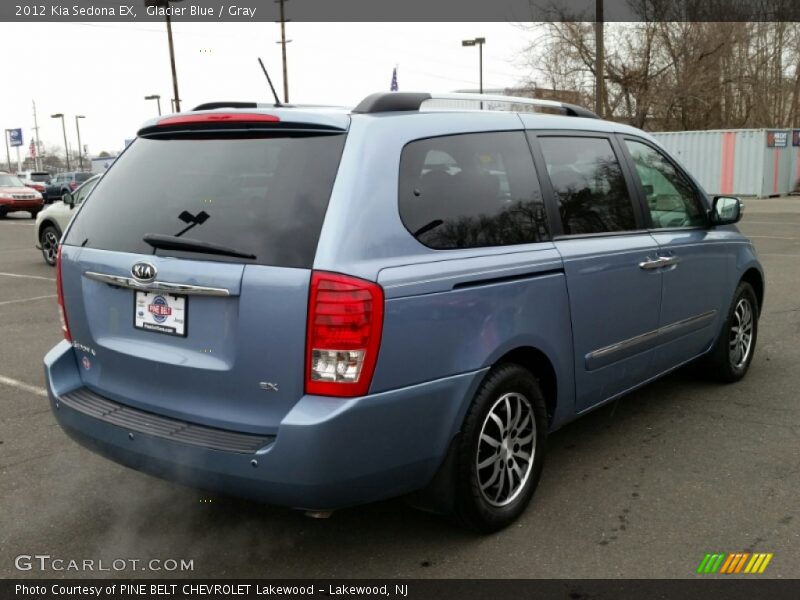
(161, 313)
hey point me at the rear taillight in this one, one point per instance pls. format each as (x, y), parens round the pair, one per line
(73, 185)
(62, 313)
(345, 320)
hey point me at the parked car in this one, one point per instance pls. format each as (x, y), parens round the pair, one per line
(53, 220)
(413, 319)
(65, 182)
(16, 196)
(36, 180)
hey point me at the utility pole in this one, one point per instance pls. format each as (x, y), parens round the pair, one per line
(37, 144)
(599, 60)
(283, 43)
(172, 64)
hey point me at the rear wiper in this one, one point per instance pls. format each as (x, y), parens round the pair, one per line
(171, 242)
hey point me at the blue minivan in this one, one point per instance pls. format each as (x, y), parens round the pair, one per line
(320, 308)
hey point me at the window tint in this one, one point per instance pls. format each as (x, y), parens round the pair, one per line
(671, 199)
(589, 185)
(472, 190)
(81, 177)
(265, 196)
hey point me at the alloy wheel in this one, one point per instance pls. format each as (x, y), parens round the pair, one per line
(741, 334)
(506, 448)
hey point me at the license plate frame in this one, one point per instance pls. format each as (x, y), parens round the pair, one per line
(160, 320)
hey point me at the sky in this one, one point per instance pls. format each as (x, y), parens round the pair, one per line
(104, 70)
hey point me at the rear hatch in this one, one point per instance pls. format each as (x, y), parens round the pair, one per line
(186, 273)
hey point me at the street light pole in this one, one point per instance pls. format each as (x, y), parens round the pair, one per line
(80, 148)
(157, 98)
(8, 153)
(64, 129)
(478, 42)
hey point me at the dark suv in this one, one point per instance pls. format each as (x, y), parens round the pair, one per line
(63, 183)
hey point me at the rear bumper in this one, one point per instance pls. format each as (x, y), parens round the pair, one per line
(328, 453)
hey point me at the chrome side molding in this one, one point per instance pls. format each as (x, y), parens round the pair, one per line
(157, 286)
(646, 341)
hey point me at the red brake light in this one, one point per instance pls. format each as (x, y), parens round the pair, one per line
(218, 118)
(345, 321)
(62, 313)
(73, 184)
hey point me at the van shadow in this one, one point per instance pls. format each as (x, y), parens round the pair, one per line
(232, 537)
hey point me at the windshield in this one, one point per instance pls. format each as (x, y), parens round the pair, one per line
(264, 196)
(10, 181)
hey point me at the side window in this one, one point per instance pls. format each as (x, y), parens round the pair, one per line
(471, 190)
(589, 185)
(671, 199)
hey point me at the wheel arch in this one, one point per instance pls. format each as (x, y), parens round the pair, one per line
(754, 277)
(45, 222)
(540, 365)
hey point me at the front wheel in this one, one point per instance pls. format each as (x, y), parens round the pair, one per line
(49, 239)
(501, 450)
(731, 357)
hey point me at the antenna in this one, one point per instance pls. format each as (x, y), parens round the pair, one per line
(269, 81)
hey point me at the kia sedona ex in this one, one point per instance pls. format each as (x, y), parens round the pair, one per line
(329, 307)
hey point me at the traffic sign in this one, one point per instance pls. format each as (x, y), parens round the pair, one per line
(15, 137)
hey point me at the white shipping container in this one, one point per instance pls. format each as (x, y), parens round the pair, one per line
(739, 162)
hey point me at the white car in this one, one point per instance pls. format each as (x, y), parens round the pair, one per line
(53, 220)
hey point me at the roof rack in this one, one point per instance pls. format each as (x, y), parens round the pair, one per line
(408, 101)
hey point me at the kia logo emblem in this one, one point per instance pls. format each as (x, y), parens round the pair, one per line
(144, 272)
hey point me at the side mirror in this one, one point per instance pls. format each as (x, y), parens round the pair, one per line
(68, 199)
(726, 210)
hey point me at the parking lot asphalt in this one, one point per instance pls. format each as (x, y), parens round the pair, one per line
(643, 487)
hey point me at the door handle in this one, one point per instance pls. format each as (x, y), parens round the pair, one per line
(660, 262)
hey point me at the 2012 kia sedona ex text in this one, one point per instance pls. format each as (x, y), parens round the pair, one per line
(327, 307)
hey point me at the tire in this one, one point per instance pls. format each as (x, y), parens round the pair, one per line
(34, 213)
(3, 214)
(733, 352)
(494, 483)
(49, 238)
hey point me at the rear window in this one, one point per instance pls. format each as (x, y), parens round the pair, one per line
(264, 196)
(40, 177)
(81, 177)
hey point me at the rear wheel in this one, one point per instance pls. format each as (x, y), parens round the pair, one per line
(501, 451)
(731, 357)
(49, 239)
(34, 213)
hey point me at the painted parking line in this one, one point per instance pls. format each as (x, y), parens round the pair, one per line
(21, 385)
(27, 299)
(28, 276)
